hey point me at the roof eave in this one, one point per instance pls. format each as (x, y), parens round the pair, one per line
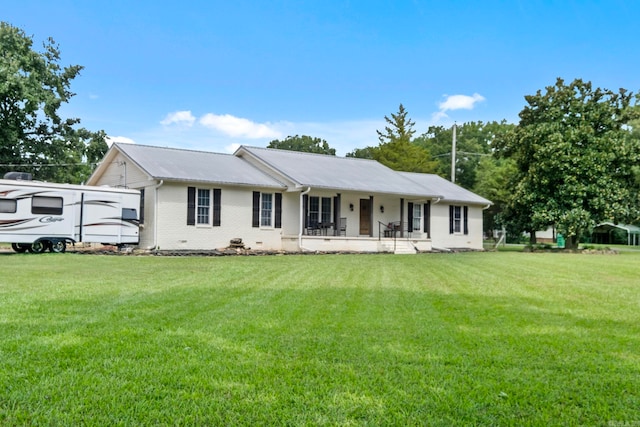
(230, 183)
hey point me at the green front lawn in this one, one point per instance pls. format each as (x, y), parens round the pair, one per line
(497, 338)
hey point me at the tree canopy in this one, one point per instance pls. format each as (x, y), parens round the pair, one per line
(473, 142)
(304, 143)
(34, 137)
(492, 182)
(575, 160)
(399, 128)
(396, 149)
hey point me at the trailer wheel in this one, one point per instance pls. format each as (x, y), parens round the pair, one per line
(20, 247)
(58, 246)
(38, 246)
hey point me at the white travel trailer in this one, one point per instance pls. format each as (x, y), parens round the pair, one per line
(38, 216)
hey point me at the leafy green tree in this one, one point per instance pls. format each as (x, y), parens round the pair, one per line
(399, 128)
(396, 149)
(33, 136)
(304, 143)
(493, 178)
(473, 142)
(404, 156)
(575, 158)
(362, 153)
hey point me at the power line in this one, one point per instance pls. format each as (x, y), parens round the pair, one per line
(40, 165)
(464, 152)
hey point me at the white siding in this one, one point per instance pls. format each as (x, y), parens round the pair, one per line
(291, 213)
(123, 173)
(147, 236)
(236, 221)
(440, 236)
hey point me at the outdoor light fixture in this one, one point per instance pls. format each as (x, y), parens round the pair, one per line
(381, 209)
(351, 207)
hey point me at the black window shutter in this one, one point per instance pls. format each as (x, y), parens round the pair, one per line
(410, 216)
(217, 206)
(305, 209)
(191, 205)
(278, 212)
(466, 222)
(451, 210)
(256, 209)
(427, 218)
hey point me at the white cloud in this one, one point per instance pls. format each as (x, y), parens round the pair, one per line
(231, 148)
(225, 133)
(180, 118)
(238, 127)
(457, 102)
(439, 115)
(460, 102)
(119, 139)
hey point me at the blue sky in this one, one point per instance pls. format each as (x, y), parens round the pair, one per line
(211, 75)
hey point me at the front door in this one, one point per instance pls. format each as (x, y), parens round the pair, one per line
(365, 217)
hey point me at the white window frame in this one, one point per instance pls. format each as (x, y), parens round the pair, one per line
(267, 210)
(457, 219)
(203, 211)
(417, 217)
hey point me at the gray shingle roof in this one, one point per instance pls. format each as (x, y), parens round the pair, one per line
(197, 166)
(339, 173)
(446, 189)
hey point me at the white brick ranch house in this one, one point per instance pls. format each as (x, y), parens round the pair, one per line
(290, 201)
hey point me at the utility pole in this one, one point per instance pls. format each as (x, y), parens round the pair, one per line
(453, 155)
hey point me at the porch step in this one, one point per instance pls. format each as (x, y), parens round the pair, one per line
(404, 247)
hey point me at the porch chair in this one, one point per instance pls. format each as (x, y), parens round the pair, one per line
(342, 227)
(312, 229)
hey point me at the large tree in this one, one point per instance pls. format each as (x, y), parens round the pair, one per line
(473, 142)
(399, 128)
(492, 182)
(304, 143)
(396, 149)
(575, 158)
(34, 137)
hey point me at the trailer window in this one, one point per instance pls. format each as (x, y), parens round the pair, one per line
(8, 206)
(129, 214)
(46, 205)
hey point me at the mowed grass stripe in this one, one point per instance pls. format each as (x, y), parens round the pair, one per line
(437, 339)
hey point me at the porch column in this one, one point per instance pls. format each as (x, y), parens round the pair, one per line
(337, 201)
(371, 209)
(401, 217)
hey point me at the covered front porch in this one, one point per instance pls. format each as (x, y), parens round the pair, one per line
(329, 221)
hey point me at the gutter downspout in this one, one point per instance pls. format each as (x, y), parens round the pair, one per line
(302, 194)
(155, 214)
(437, 201)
